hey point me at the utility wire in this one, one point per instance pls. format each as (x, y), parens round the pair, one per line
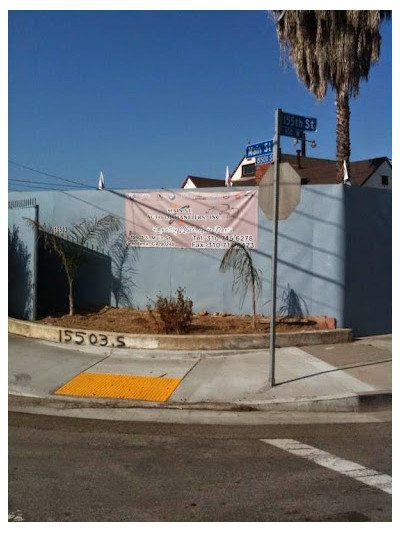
(28, 188)
(42, 183)
(51, 175)
(79, 199)
(110, 191)
(77, 183)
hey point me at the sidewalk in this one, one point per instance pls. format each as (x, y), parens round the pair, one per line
(337, 377)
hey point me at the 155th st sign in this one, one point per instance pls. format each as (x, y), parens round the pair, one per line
(296, 125)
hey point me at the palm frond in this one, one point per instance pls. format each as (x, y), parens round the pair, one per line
(96, 229)
(335, 47)
(71, 253)
(238, 259)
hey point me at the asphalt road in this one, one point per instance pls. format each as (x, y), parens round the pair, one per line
(68, 470)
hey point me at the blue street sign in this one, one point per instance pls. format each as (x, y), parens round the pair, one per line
(295, 125)
(262, 159)
(259, 149)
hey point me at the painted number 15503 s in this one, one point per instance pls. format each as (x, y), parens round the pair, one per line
(89, 338)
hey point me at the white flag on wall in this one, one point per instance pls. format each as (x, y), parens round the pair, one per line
(346, 179)
(228, 181)
(101, 185)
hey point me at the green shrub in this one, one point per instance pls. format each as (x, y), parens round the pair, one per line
(172, 314)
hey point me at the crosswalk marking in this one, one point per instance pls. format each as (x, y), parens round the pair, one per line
(360, 473)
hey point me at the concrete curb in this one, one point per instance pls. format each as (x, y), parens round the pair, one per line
(361, 402)
(375, 399)
(174, 342)
(364, 401)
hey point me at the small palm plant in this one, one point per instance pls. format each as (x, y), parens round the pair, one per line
(71, 253)
(246, 276)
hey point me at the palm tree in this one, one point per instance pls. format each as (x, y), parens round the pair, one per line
(335, 48)
(71, 252)
(246, 276)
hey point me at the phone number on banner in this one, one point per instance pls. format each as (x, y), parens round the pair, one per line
(221, 244)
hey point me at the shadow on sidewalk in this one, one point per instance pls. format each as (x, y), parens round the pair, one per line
(347, 367)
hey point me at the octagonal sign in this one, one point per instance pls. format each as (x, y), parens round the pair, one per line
(289, 191)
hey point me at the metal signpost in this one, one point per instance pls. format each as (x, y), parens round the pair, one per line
(292, 126)
(275, 203)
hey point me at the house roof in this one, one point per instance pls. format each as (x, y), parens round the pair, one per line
(306, 162)
(313, 171)
(244, 182)
(361, 171)
(203, 182)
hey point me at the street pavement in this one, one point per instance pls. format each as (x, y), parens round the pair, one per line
(219, 446)
(339, 377)
(74, 470)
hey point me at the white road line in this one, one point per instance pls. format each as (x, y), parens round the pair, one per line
(365, 475)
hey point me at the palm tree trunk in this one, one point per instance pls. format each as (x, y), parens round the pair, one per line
(342, 135)
(71, 297)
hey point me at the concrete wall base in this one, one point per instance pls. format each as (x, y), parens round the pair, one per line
(174, 342)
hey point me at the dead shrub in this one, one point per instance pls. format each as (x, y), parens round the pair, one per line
(172, 314)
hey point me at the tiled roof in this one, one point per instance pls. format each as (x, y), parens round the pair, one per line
(305, 162)
(285, 158)
(244, 182)
(313, 171)
(360, 171)
(323, 171)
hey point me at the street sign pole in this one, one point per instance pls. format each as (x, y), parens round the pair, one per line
(277, 154)
(289, 125)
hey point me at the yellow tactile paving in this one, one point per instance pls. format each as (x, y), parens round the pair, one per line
(120, 386)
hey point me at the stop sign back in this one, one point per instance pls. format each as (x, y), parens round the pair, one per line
(289, 191)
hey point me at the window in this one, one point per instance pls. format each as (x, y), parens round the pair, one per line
(385, 180)
(249, 170)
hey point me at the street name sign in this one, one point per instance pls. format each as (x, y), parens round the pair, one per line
(264, 148)
(296, 125)
(262, 159)
(289, 191)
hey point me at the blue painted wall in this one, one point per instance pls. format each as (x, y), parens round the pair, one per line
(21, 263)
(315, 258)
(368, 251)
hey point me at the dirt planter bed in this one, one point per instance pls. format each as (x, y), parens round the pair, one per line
(83, 337)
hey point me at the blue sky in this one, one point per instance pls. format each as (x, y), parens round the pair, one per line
(149, 97)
